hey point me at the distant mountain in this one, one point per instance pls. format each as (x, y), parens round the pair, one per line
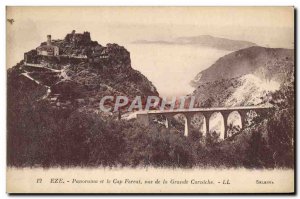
(153, 42)
(244, 77)
(203, 40)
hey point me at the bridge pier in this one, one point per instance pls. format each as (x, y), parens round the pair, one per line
(243, 115)
(225, 115)
(207, 117)
(187, 124)
(168, 120)
(167, 123)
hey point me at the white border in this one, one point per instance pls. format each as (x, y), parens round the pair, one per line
(5, 3)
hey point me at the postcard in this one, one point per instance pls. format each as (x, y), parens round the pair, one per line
(150, 100)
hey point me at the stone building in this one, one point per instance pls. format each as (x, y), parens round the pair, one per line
(48, 49)
(78, 39)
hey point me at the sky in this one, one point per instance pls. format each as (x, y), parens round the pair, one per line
(265, 26)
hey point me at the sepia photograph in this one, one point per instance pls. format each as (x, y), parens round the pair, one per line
(150, 99)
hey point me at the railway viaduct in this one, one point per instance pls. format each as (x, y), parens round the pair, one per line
(146, 118)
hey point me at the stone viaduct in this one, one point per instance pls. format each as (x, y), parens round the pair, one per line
(146, 117)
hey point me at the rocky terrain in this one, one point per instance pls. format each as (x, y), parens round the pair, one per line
(244, 77)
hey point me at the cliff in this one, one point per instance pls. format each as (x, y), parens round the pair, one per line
(244, 77)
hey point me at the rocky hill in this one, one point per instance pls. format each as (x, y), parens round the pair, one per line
(81, 74)
(244, 77)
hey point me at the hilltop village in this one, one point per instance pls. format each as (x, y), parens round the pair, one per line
(76, 48)
(77, 70)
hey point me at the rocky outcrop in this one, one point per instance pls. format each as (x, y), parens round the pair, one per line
(244, 77)
(264, 62)
(84, 71)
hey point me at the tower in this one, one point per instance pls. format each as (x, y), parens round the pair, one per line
(49, 40)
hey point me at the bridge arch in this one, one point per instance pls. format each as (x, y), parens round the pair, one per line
(183, 122)
(235, 119)
(198, 122)
(160, 119)
(234, 123)
(217, 124)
